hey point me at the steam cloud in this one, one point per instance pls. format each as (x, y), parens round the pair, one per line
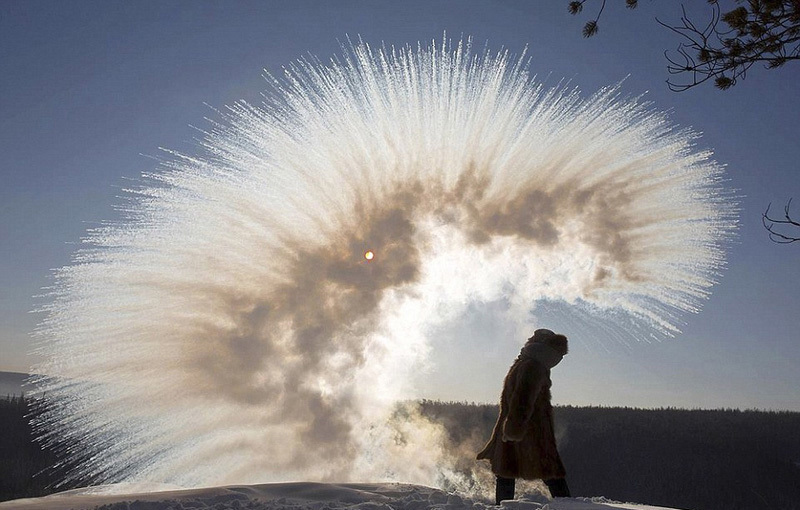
(230, 328)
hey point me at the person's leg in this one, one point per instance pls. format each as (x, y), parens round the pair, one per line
(504, 489)
(558, 487)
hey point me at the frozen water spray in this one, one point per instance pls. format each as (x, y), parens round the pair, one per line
(261, 307)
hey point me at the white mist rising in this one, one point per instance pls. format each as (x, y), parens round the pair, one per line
(230, 329)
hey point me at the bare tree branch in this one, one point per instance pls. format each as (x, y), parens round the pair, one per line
(781, 237)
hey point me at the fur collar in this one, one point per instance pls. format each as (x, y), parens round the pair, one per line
(542, 353)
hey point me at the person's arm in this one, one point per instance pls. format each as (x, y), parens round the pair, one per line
(528, 384)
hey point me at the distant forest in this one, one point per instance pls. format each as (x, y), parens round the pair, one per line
(692, 459)
(20, 457)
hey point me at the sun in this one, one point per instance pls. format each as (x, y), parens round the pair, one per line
(369, 255)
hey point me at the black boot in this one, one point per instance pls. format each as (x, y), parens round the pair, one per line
(558, 487)
(504, 489)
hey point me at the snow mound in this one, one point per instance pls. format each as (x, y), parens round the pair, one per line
(295, 496)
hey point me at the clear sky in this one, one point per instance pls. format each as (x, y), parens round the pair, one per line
(90, 90)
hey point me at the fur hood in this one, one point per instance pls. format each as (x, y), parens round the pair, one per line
(541, 353)
(546, 347)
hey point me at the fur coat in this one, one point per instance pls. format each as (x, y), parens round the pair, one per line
(523, 443)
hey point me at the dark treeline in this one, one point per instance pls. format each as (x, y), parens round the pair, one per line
(698, 459)
(21, 459)
(26, 470)
(694, 459)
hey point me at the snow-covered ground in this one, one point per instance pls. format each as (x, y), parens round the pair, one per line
(296, 496)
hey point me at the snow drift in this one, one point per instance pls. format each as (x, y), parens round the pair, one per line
(301, 496)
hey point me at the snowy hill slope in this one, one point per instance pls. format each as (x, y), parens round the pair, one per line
(11, 383)
(295, 496)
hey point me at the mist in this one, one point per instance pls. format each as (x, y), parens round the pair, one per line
(230, 329)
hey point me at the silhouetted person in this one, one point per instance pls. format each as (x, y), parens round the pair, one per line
(523, 444)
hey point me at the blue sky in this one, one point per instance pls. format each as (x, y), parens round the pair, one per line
(90, 90)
